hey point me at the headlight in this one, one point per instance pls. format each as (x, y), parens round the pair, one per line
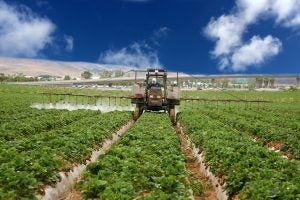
(151, 96)
(158, 97)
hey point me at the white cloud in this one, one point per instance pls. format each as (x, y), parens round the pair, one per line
(136, 55)
(158, 34)
(228, 30)
(69, 43)
(23, 33)
(255, 52)
(295, 22)
(161, 32)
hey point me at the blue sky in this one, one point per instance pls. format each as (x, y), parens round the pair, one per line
(193, 36)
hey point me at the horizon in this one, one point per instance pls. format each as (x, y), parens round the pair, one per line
(131, 67)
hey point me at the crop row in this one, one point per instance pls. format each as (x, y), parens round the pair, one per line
(288, 121)
(16, 111)
(21, 115)
(264, 130)
(11, 130)
(31, 161)
(247, 168)
(147, 163)
(15, 104)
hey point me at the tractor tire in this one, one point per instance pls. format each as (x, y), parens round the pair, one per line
(136, 113)
(172, 115)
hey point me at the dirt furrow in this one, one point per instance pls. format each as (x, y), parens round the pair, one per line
(201, 184)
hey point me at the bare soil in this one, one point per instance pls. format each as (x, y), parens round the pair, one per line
(275, 145)
(74, 195)
(193, 167)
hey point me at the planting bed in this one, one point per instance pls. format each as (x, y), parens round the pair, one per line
(37, 144)
(287, 138)
(28, 162)
(147, 163)
(246, 168)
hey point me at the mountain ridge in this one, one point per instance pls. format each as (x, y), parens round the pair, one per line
(36, 67)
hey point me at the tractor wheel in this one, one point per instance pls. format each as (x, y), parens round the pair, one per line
(172, 115)
(136, 113)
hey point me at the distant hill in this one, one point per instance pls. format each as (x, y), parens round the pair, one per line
(35, 67)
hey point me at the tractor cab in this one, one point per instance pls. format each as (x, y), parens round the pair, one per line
(155, 95)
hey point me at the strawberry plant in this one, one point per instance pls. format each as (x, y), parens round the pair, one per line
(146, 163)
(244, 165)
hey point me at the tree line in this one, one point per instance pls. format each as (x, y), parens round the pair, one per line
(103, 74)
(84, 75)
(16, 78)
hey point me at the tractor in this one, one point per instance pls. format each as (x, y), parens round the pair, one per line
(156, 94)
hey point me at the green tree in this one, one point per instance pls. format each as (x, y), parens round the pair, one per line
(119, 73)
(86, 75)
(106, 74)
(67, 77)
(3, 77)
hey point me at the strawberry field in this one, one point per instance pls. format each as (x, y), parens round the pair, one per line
(245, 167)
(252, 150)
(37, 144)
(143, 164)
